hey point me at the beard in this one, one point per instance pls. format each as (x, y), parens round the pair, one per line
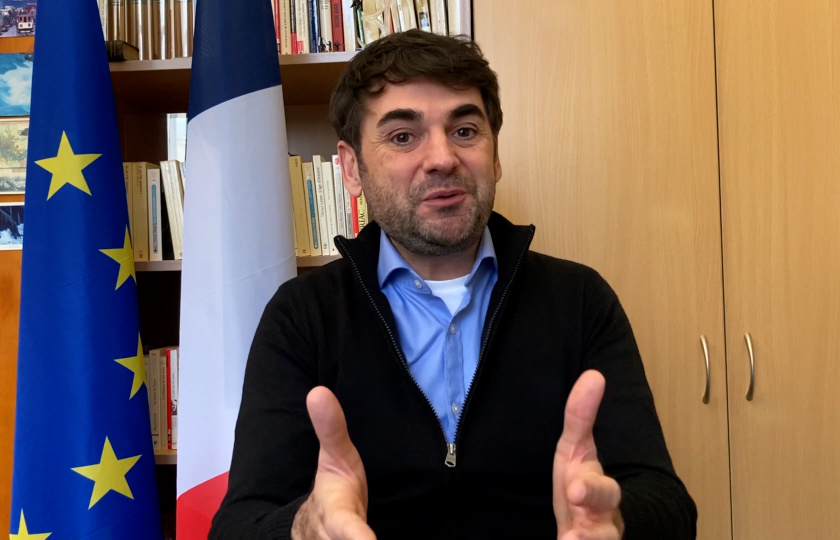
(451, 230)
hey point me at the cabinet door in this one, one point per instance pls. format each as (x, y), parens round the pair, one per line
(609, 146)
(779, 94)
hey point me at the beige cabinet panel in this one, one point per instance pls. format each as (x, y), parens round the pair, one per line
(779, 101)
(610, 147)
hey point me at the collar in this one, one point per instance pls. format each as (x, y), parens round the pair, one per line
(390, 260)
(509, 243)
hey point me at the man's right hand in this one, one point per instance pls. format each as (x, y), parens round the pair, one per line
(337, 507)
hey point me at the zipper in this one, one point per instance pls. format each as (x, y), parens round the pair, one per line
(450, 448)
(451, 455)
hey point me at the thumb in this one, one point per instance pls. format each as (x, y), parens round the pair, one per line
(582, 408)
(329, 423)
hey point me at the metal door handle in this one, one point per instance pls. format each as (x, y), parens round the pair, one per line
(705, 343)
(748, 339)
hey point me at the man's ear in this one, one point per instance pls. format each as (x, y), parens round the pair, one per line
(497, 168)
(349, 168)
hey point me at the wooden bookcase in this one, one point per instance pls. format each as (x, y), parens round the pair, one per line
(145, 92)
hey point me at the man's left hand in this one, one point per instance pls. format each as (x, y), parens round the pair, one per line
(585, 500)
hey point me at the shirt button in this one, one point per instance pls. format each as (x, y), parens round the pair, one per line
(451, 328)
(418, 284)
(455, 408)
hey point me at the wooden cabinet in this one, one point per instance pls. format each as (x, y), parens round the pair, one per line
(778, 65)
(610, 146)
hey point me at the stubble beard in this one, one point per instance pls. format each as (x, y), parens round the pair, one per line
(444, 235)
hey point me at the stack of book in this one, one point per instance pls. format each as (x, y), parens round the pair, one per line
(162, 381)
(307, 26)
(323, 209)
(155, 196)
(158, 28)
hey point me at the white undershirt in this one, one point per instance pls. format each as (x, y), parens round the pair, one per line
(451, 291)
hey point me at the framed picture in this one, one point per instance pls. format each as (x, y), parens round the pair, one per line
(14, 134)
(15, 83)
(11, 225)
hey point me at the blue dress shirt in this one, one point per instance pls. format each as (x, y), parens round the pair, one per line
(441, 349)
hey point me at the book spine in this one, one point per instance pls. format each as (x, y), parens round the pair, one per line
(325, 17)
(174, 206)
(275, 16)
(354, 208)
(172, 360)
(302, 226)
(348, 21)
(117, 20)
(314, 27)
(343, 208)
(167, 362)
(159, 29)
(424, 17)
(337, 26)
(128, 192)
(152, 385)
(155, 214)
(331, 203)
(140, 233)
(303, 26)
(437, 8)
(312, 207)
(163, 400)
(363, 212)
(323, 215)
(286, 27)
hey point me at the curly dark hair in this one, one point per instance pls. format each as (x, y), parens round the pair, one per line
(455, 61)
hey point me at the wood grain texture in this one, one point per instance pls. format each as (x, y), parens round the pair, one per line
(9, 306)
(610, 147)
(779, 100)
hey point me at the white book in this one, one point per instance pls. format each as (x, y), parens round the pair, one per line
(460, 18)
(323, 178)
(174, 205)
(325, 20)
(285, 26)
(338, 189)
(437, 8)
(345, 197)
(349, 25)
(173, 390)
(302, 25)
(155, 204)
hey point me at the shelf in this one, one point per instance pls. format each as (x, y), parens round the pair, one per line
(166, 457)
(175, 266)
(164, 85)
(157, 266)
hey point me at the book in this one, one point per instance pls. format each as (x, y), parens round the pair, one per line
(117, 20)
(128, 192)
(424, 18)
(349, 23)
(174, 200)
(302, 25)
(155, 207)
(324, 190)
(459, 17)
(362, 211)
(314, 26)
(140, 209)
(172, 396)
(182, 21)
(160, 30)
(325, 25)
(285, 26)
(312, 208)
(437, 9)
(302, 225)
(342, 197)
(151, 363)
(337, 26)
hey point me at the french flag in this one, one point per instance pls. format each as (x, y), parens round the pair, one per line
(238, 237)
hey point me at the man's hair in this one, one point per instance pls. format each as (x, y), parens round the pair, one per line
(456, 62)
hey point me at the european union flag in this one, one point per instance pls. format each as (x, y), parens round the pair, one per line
(83, 464)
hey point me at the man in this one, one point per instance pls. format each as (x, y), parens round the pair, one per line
(416, 387)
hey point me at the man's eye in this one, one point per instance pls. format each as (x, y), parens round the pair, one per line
(465, 133)
(401, 138)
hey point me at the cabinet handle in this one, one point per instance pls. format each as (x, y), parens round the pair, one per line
(705, 343)
(748, 339)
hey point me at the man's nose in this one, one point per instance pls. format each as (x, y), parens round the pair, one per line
(440, 154)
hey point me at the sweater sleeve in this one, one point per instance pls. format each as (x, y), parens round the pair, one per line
(629, 438)
(275, 450)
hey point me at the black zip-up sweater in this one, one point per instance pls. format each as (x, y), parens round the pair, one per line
(548, 321)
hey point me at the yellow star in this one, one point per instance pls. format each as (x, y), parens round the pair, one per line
(66, 167)
(135, 364)
(124, 256)
(108, 474)
(23, 532)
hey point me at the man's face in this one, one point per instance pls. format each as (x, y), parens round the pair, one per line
(428, 166)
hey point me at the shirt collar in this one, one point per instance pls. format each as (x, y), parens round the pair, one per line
(391, 261)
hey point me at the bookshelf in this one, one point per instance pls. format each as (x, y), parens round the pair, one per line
(145, 92)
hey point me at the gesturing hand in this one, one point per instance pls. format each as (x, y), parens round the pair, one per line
(585, 500)
(337, 507)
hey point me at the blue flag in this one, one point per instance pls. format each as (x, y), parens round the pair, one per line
(83, 465)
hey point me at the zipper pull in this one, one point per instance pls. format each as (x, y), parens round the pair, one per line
(450, 455)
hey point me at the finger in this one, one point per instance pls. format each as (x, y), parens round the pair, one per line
(594, 492)
(582, 408)
(348, 526)
(329, 423)
(601, 531)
